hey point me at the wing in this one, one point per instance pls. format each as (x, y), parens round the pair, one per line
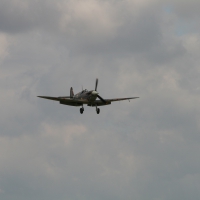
(50, 98)
(79, 102)
(121, 99)
(66, 100)
(108, 101)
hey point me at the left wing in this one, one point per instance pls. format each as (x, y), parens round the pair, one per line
(120, 99)
(66, 100)
(50, 98)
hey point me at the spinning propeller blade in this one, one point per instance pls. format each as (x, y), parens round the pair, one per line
(96, 84)
(101, 99)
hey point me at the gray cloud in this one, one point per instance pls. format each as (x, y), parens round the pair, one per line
(21, 16)
(145, 149)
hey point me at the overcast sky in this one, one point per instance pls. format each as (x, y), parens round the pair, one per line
(147, 149)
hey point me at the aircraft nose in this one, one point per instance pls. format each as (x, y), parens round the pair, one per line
(94, 92)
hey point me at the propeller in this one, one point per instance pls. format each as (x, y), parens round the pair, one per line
(96, 84)
(94, 92)
(101, 99)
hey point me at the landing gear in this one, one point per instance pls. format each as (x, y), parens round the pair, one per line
(97, 110)
(81, 110)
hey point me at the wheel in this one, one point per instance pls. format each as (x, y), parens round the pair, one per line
(98, 110)
(81, 110)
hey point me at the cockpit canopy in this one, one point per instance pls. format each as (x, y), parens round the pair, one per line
(84, 91)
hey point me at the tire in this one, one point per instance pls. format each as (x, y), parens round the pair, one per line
(81, 110)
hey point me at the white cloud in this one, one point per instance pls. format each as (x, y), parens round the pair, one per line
(87, 18)
(28, 149)
(192, 44)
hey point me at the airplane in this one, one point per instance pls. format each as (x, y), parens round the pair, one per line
(85, 97)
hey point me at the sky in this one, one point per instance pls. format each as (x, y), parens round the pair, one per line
(145, 149)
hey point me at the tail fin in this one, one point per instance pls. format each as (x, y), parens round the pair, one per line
(71, 93)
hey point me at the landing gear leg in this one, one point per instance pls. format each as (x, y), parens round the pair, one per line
(97, 110)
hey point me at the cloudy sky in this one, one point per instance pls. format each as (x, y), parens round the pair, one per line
(147, 149)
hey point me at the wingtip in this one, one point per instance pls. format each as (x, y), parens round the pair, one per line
(43, 96)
